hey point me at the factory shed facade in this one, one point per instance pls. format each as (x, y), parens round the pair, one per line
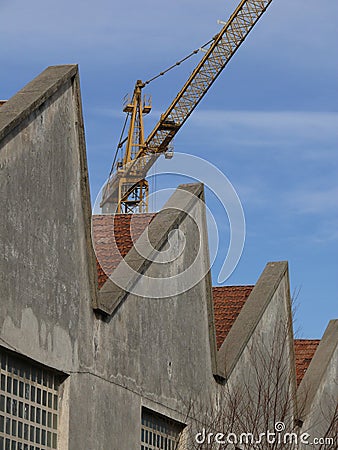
(108, 343)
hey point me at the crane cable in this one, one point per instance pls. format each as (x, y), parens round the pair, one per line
(119, 145)
(178, 62)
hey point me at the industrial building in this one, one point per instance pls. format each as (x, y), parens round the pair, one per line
(90, 361)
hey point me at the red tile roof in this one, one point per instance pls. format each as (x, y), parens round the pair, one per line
(113, 237)
(228, 302)
(304, 351)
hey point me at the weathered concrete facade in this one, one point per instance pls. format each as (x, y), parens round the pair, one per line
(44, 237)
(47, 284)
(317, 393)
(136, 342)
(49, 290)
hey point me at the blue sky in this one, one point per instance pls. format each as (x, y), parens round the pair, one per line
(269, 122)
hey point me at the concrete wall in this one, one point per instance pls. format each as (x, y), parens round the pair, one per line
(257, 362)
(157, 352)
(47, 274)
(266, 363)
(42, 222)
(318, 391)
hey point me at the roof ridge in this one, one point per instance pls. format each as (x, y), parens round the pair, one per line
(234, 286)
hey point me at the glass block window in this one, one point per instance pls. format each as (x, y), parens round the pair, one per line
(28, 405)
(159, 432)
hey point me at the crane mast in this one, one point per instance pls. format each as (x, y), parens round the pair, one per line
(127, 189)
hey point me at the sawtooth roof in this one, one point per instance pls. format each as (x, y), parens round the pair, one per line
(113, 237)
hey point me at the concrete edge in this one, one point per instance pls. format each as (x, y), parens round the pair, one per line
(209, 298)
(32, 96)
(316, 371)
(85, 193)
(110, 296)
(291, 342)
(248, 319)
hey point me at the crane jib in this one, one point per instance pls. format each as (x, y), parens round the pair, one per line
(215, 59)
(127, 188)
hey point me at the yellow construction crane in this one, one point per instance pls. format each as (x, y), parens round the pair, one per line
(127, 188)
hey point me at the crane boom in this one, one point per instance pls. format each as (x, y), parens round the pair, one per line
(129, 188)
(220, 52)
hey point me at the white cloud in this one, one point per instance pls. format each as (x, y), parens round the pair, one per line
(118, 26)
(268, 124)
(122, 30)
(311, 136)
(314, 201)
(277, 122)
(327, 234)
